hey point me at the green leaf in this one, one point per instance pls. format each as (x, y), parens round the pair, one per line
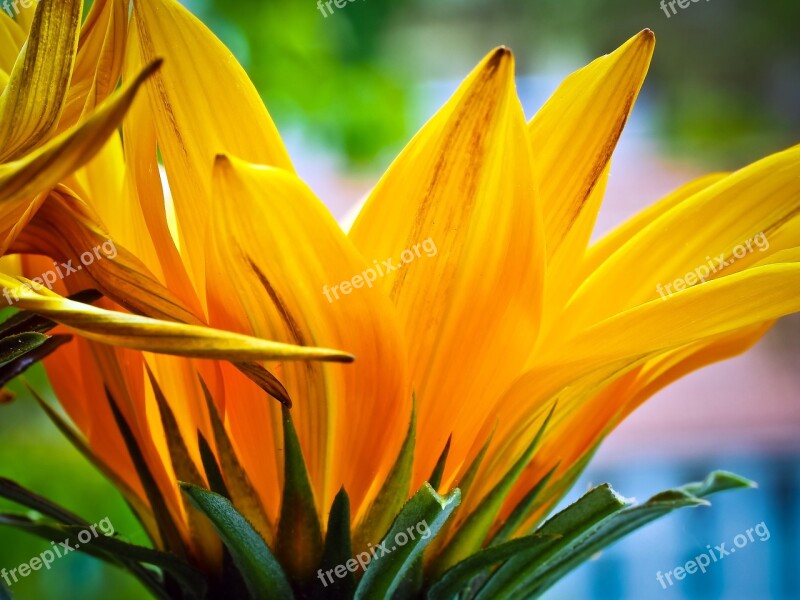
(393, 494)
(261, 571)
(22, 363)
(338, 550)
(557, 533)
(472, 534)
(522, 510)
(457, 580)
(16, 493)
(395, 554)
(211, 467)
(531, 573)
(299, 541)
(438, 471)
(52, 532)
(190, 579)
(14, 346)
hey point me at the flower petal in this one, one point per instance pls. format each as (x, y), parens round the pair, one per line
(574, 134)
(42, 169)
(283, 252)
(31, 103)
(471, 313)
(151, 335)
(203, 104)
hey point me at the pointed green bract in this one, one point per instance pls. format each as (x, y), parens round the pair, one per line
(338, 550)
(299, 541)
(597, 520)
(395, 555)
(472, 533)
(393, 494)
(14, 346)
(521, 510)
(438, 471)
(262, 573)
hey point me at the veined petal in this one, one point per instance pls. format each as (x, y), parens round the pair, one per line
(42, 169)
(761, 198)
(286, 256)
(574, 134)
(31, 103)
(203, 105)
(98, 65)
(151, 335)
(471, 313)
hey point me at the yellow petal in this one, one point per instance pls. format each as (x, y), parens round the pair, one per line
(203, 104)
(32, 101)
(151, 335)
(44, 168)
(12, 38)
(762, 198)
(575, 133)
(282, 250)
(98, 65)
(471, 313)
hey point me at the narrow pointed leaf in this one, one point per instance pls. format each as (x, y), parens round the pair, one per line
(14, 346)
(22, 363)
(522, 510)
(436, 477)
(338, 550)
(387, 571)
(261, 571)
(187, 576)
(299, 533)
(471, 535)
(393, 493)
(16, 493)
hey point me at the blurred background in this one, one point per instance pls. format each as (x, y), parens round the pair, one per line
(348, 91)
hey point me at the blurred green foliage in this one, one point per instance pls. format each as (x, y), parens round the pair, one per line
(725, 80)
(34, 454)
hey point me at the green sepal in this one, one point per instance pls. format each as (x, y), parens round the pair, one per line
(242, 492)
(263, 575)
(472, 533)
(393, 494)
(51, 532)
(392, 558)
(299, 542)
(338, 550)
(582, 535)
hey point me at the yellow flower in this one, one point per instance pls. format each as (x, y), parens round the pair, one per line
(516, 313)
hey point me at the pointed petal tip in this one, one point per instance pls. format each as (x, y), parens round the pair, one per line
(500, 56)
